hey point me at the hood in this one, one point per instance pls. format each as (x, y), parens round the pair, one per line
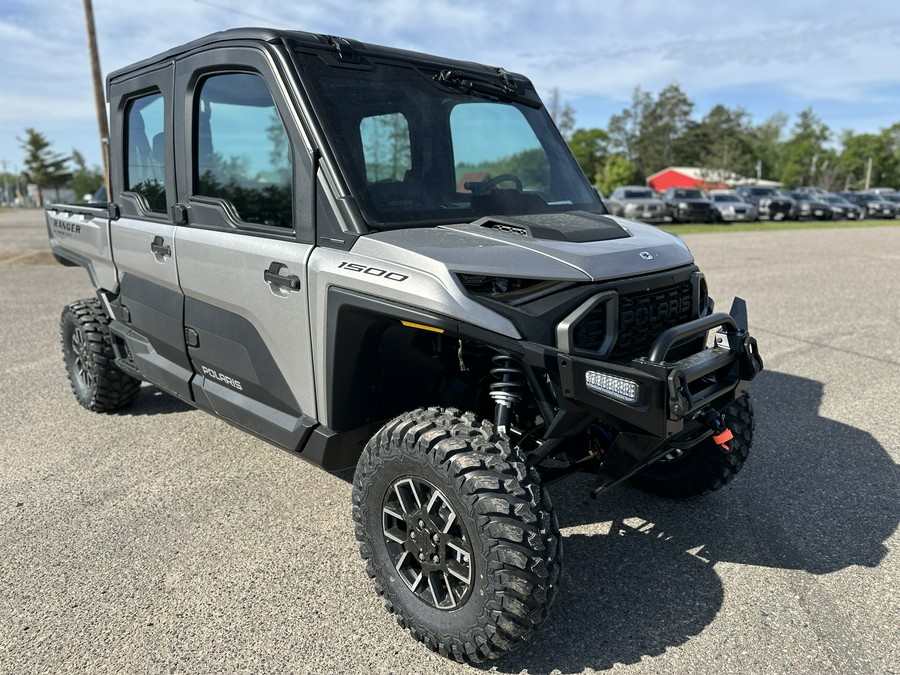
(571, 246)
(649, 201)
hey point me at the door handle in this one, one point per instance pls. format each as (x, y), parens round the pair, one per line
(289, 281)
(159, 247)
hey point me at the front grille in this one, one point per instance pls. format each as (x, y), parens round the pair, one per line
(643, 316)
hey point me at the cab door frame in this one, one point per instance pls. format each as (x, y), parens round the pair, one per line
(149, 308)
(246, 297)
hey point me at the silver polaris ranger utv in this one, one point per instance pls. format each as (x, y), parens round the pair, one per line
(390, 260)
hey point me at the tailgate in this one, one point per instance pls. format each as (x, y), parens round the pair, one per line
(80, 235)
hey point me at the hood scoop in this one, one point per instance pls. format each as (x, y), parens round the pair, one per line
(573, 226)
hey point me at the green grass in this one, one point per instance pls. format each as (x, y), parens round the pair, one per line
(768, 226)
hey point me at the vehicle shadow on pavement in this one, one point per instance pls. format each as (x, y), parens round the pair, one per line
(153, 401)
(816, 496)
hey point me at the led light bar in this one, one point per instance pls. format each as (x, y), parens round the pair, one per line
(618, 388)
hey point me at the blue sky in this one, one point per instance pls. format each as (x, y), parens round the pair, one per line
(841, 58)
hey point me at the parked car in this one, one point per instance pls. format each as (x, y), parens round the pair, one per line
(770, 202)
(893, 198)
(815, 190)
(811, 206)
(841, 209)
(636, 202)
(874, 206)
(688, 205)
(728, 207)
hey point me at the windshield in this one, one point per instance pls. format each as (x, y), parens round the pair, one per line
(638, 194)
(762, 192)
(688, 194)
(418, 149)
(726, 198)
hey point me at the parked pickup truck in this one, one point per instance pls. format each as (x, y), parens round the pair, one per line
(387, 260)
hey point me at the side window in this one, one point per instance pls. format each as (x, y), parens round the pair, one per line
(242, 152)
(145, 145)
(492, 139)
(385, 143)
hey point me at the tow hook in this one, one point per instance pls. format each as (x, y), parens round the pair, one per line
(722, 435)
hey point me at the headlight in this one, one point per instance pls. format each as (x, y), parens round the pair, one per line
(682, 205)
(619, 388)
(509, 290)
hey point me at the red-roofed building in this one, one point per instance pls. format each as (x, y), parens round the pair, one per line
(696, 177)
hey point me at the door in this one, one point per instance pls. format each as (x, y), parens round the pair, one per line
(150, 304)
(243, 252)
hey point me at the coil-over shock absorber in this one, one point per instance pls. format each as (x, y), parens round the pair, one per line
(507, 390)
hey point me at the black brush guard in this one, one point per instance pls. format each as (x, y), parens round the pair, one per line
(671, 394)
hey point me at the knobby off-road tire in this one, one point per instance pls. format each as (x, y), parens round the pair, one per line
(703, 468)
(96, 381)
(486, 541)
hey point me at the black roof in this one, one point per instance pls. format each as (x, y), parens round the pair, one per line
(298, 38)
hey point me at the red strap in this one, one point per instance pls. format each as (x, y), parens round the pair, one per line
(723, 438)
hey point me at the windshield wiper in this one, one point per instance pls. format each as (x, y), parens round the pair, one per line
(505, 90)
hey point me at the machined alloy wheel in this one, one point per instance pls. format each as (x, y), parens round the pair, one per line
(82, 357)
(427, 543)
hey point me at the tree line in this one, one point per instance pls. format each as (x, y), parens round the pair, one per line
(49, 169)
(657, 131)
(650, 134)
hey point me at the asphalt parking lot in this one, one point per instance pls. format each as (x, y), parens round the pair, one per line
(163, 540)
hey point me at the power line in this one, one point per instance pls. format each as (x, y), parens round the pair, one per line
(268, 20)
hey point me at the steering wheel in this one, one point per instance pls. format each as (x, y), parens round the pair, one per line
(483, 187)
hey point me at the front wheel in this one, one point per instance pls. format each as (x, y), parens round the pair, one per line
(705, 467)
(457, 534)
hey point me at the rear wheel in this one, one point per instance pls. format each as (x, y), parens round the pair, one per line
(705, 467)
(96, 381)
(458, 535)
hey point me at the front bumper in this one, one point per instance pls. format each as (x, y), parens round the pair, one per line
(646, 213)
(668, 393)
(881, 211)
(734, 215)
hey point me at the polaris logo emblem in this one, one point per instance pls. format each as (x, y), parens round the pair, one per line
(220, 377)
(646, 255)
(666, 312)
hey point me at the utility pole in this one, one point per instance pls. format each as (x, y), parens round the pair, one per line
(6, 198)
(869, 173)
(99, 99)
